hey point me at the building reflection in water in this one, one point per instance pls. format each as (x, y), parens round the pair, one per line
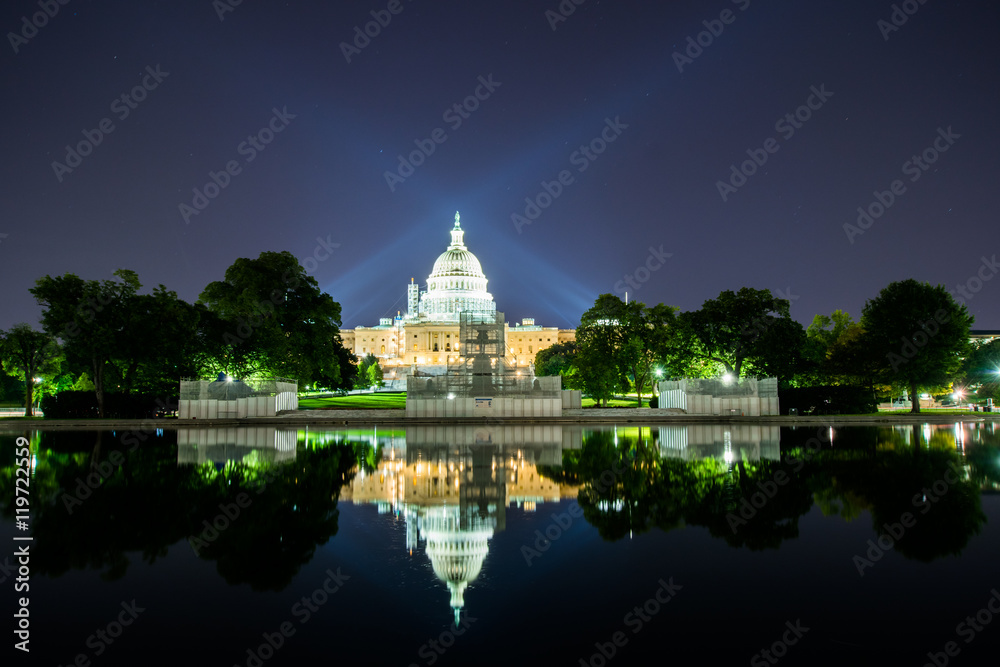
(262, 444)
(725, 442)
(451, 486)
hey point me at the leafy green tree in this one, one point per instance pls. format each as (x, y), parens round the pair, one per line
(981, 369)
(363, 379)
(746, 332)
(278, 320)
(556, 359)
(160, 344)
(89, 318)
(827, 329)
(620, 344)
(28, 354)
(919, 335)
(375, 374)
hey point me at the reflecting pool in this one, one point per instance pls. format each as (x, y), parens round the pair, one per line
(505, 545)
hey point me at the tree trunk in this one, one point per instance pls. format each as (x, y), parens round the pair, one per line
(914, 399)
(99, 386)
(29, 392)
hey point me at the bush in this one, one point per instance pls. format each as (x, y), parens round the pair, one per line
(654, 402)
(83, 405)
(827, 400)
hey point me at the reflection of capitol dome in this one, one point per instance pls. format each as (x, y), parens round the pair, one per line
(457, 283)
(456, 554)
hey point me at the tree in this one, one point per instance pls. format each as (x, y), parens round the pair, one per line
(28, 353)
(278, 321)
(160, 343)
(745, 332)
(556, 359)
(375, 374)
(620, 343)
(363, 380)
(918, 333)
(981, 369)
(89, 318)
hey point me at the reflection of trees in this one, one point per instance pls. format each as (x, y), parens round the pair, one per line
(984, 463)
(293, 508)
(873, 469)
(149, 504)
(737, 493)
(139, 507)
(894, 481)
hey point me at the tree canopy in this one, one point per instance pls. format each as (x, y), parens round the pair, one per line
(28, 353)
(277, 321)
(919, 335)
(749, 332)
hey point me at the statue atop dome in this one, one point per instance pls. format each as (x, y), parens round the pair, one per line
(456, 235)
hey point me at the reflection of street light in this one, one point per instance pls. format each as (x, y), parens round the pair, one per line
(38, 392)
(727, 378)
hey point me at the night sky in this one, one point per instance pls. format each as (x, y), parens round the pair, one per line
(215, 80)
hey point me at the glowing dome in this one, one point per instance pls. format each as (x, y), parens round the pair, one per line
(456, 284)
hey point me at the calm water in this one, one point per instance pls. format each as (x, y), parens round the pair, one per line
(546, 545)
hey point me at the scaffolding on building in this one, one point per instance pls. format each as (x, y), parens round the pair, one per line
(483, 368)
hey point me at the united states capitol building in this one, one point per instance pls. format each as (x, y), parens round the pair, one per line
(425, 339)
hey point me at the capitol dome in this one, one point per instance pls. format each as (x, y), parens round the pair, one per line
(456, 284)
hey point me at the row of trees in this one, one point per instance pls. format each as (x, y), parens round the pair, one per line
(912, 336)
(266, 317)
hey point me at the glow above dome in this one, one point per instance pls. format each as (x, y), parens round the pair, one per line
(456, 284)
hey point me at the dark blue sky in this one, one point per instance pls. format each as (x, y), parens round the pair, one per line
(554, 91)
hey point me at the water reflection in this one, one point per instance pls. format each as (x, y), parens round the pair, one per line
(222, 445)
(100, 499)
(451, 487)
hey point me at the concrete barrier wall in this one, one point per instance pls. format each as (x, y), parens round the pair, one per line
(242, 408)
(468, 407)
(572, 399)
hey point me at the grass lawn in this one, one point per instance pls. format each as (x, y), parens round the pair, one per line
(386, 401)
(616, 403)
